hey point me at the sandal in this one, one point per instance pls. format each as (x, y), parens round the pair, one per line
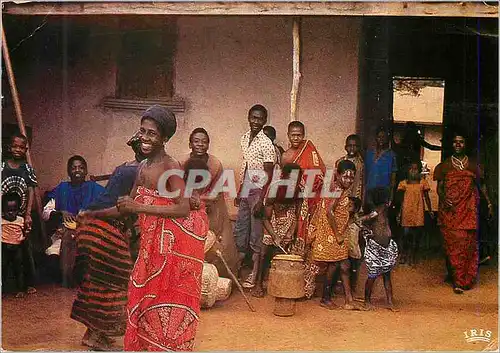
(328, 305)
(458, 290)
(350, 307)
(31, 290)
(20, 295)
(250, 281)
(368, 307)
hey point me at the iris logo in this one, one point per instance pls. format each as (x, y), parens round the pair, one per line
(477, 335)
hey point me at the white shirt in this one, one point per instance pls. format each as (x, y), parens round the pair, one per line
(259, 151)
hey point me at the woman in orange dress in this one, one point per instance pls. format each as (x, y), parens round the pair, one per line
(458, 179)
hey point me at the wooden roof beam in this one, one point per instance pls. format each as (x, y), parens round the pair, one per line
(302, 8)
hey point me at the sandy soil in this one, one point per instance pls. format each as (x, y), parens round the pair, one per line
(431, 317)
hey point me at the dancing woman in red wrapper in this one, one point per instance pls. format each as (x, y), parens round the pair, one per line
(304, 153)
(458, 179)
(165, 285)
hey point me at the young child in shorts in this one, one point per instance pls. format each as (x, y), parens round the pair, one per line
(13, 234)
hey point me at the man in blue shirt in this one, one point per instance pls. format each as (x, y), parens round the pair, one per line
(65, 201)
(380, 166)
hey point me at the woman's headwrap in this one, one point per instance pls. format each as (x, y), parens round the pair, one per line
(164, 119)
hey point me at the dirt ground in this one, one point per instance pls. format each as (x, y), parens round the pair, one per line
(431, 317)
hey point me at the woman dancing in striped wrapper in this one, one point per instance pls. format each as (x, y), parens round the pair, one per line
(104, 262)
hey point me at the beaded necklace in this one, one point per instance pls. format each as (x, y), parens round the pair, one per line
(458, 163)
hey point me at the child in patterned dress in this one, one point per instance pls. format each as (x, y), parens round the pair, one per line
(280, 223)
(330, 246)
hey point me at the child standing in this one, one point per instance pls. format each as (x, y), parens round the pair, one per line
(352, 231)
(279, 220)
(353, 148)
(12, 237)
(416, 197)
(330, 248)
(19, 177)
(381, 251)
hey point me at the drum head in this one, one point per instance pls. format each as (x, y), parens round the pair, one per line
(288, 257)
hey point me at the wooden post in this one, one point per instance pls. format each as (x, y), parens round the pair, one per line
(296, 69)
(22, 128)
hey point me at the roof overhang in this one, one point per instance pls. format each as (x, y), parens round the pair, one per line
(294, 8)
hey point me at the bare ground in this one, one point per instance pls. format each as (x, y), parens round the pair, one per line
(431, 317)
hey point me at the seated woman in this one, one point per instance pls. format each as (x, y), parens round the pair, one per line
(104, 262)
(63, 204)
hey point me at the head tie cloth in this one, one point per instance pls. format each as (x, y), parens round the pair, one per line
(164, 119)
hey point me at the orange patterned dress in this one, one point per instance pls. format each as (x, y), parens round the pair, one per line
(328, 246)
(165, 286)
(413, 209)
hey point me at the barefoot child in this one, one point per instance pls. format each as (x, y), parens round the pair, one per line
(12, 237)
(416, 197)
(19, 177)
(280, 223)
(352, 230)
(381, 251)
(330, 248)
(354, 227)
(353, 148)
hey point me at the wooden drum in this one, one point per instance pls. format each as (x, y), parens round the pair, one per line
(286, 283)
(286, 277)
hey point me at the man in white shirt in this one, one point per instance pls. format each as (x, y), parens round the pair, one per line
(259, 157)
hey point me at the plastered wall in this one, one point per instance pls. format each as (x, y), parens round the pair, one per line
(223, 66)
